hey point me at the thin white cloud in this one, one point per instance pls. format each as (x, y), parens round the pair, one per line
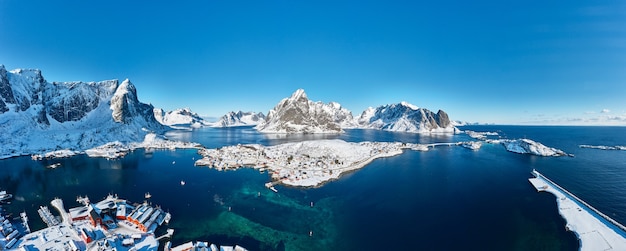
(602, 118)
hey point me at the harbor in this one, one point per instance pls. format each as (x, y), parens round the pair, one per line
(595, 230)
(109, 224)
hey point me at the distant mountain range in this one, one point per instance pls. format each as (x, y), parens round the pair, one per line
(298, 114)
(39, 116)
(185, 118)
(405, 117)
(239, 118)
(179, 117)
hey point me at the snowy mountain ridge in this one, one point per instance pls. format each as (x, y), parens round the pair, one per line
(239, 118)
(405, 117)
(180, 117)
(39, 116)
(297, 114)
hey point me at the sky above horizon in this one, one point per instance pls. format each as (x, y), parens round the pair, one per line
(503, 62)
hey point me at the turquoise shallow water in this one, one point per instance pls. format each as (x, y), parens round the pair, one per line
(449, 198)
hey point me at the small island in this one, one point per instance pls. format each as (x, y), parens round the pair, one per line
(304, 164)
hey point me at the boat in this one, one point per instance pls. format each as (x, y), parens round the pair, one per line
(182, 182)
(148, 195)
(5, 196)
(53, 166)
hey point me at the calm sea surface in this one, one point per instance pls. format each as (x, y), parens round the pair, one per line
(448, 198)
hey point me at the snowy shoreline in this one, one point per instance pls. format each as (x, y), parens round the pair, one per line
(117, 149)
(315, 162)
(619, 148)
(595, 230)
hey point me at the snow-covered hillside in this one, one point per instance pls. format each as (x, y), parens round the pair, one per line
(298, 114)
(405, 117)
(239, 118)
(179, 117)
(38, 116)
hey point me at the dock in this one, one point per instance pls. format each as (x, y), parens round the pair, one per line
(595, 230)
(47, 217)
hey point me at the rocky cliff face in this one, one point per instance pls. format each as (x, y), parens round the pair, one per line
(297, 114)
(36, 115)
(240, 119)
(405, 117)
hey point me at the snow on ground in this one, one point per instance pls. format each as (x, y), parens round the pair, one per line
(118, 149)
(309, 163)
(151, 141)
(527, 146)
(473, 145)
(594, 229)
(65, 153)
(622, 148)
(312, 163)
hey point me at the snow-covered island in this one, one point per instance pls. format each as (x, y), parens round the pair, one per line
(527, 146)
(306, 164)
(312, 163)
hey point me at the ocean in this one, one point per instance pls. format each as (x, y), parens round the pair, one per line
(448, 198)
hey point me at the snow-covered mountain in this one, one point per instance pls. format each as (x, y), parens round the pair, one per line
(298, 114)
(239, 118)
(405, 117)
(39, 116)
(179, 117)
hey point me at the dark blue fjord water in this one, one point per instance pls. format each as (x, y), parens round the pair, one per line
(449, 198)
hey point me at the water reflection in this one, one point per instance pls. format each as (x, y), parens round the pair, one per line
(219, 137)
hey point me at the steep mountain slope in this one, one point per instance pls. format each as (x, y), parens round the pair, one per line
(405, 117)
(38, 116)
(239, 119)
(297, 114)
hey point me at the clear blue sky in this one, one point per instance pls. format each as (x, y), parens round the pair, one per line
(537, 62)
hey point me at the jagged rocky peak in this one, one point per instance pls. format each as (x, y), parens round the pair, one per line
(405, 117)
(126, 106)
(297, 114)
(299, 95)
(442, 119)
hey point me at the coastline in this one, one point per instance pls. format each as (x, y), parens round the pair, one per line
(595, 230)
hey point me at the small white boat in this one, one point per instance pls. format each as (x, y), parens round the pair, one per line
(182, 182)
(148, 195)
(273, 189)
(53, 166)
(5, 196)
